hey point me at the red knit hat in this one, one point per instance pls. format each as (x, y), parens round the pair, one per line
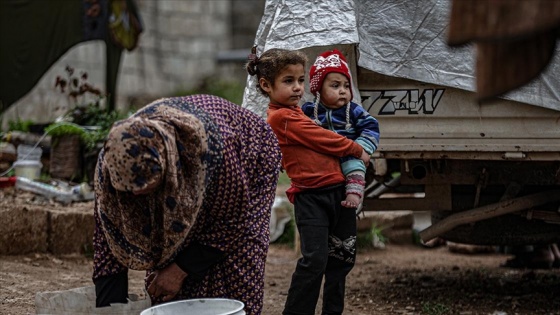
(327, 62)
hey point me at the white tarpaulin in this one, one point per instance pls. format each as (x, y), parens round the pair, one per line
(399, 38)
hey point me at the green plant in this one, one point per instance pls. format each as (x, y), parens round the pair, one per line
(435, 309)
(416, 240)
(362, 241)
(376, 234)
(19, 125)
(88, 250)
(94, 115)
(88, 118)
(373, 238)
(64, 128)
(288, 237)
(283, 179)
(87, 110)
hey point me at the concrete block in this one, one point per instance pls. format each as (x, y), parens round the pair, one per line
(393, 219)
(385, 220)
(23, 230)
(398, 236)
(70, 232)
(364, 224)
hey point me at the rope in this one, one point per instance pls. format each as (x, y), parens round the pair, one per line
(316, 109)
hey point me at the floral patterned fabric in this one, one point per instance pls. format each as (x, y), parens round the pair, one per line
(215, 166)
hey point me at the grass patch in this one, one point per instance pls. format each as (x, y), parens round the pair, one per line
(435, 309)
(283, 179)
(373, 238)
(288, 237)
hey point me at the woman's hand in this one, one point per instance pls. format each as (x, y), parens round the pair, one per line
(365, 157)
(166, 283)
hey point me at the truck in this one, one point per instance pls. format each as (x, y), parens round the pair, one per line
(488, 172)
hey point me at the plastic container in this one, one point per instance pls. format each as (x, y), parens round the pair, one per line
(7, 181)
(28, 169)
(81, 301)
(43, 189)
(198, 307)
(29, 153)
(82, 192)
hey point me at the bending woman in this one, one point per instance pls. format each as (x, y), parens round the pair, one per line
(183, 190)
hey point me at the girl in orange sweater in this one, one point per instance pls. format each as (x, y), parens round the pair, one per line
(310, 157)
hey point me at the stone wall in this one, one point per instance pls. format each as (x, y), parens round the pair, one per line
(177, 50)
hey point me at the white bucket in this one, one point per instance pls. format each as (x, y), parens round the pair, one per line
(27, 152)
(198, 307)
(28, 169)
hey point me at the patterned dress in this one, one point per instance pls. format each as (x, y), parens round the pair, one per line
(220, 165)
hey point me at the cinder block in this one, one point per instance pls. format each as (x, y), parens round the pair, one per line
(394, 219)
(70, 232)
(23, 230)
(385, 220)
(398, 236)
(364, 224)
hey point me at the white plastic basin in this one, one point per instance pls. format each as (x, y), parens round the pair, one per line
(198, 307)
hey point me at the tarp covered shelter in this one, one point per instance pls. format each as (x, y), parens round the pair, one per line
(34, 34)
(399, 38)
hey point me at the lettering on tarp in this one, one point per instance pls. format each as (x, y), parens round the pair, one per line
(391, 101)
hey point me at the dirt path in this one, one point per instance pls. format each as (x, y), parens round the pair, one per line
(397, 280)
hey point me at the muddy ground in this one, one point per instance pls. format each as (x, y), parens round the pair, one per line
(400, 279)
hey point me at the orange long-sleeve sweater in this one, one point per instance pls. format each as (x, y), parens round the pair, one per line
(310, 153)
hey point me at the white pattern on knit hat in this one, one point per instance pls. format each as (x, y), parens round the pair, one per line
(330, 61)
(325, 63)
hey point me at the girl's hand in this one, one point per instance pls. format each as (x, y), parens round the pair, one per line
(166, 283)
(365, 157)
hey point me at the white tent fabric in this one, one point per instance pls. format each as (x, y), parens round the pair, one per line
(399, 38)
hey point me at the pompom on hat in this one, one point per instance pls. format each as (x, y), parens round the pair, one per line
(327, 62)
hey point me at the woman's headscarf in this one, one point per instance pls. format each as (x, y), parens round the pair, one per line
(162, 151)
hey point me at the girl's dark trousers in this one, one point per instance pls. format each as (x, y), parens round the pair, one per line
(328, 246)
